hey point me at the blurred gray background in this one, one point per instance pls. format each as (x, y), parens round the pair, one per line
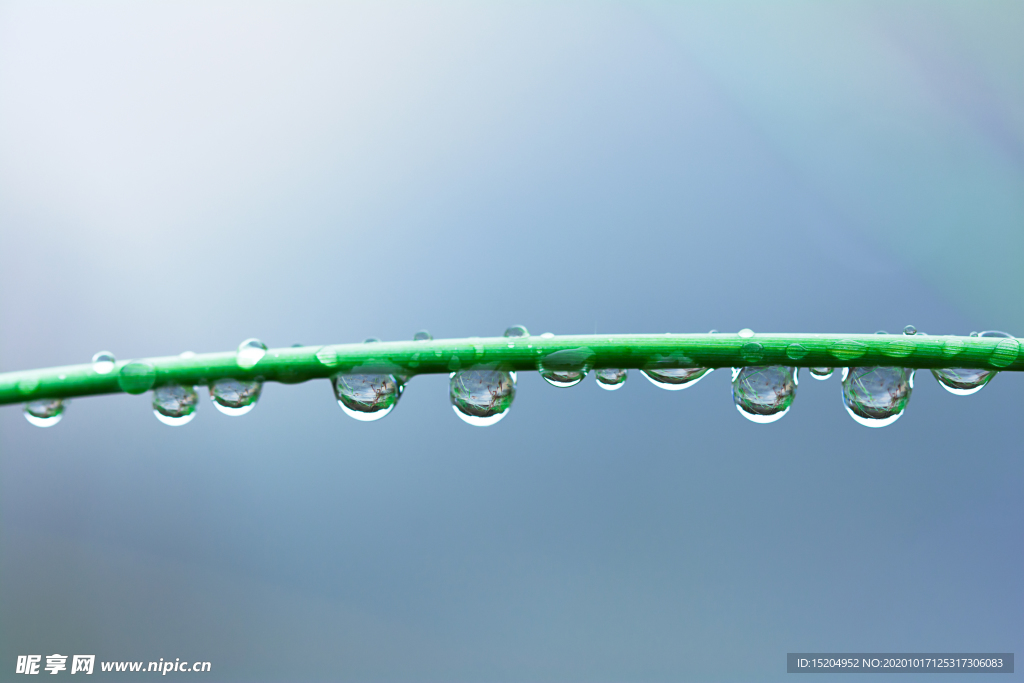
(181, 176)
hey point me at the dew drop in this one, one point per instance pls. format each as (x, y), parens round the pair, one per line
(611, 378)
(366, 397)
(187, 354)
(752, 352)
(952, 347)
(967, 381)
(796, 351)
(877, 396)
(250, 352)
(674, 379)
(422, 335)
(235, 397)
(45, 412)
(848, 349)
(746, 333)
(136, 377)
(821, 373)
(482, 397)
(28, 385)
(371, 340)
(103, 363)
(566, 368)
(1005, 352)
(547, 335)
(328, 356)
(764, 394)
(909, 330)
(517, 331)
(175, 404)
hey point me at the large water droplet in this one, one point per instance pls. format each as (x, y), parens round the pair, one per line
(45, 412)
(877, 396)
(674, 379)
(250, 352)
(422, 335)
(967, 381)
(517, 331)
(175, 404)
(103, 363)
(482, 397)
(136, 377)
(910, 330)
(821, 373)
(764, 394)
(235, 397)
(611, 378)
(366, 397)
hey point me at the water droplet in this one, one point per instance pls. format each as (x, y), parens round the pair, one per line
(963, 381)
(187, 354)
(967, 381)
(674, 379)
(136, 377)
(328, 355)
(1005, 351)
(175, 404)
(250, 352)
(764, 394)
(881, 332)
(899, 348)
(909, 330)
(746, 333)
(45, 412)
(297, 345)
(796, 351)
(877, 396)
(235, 397)
(611, 378)
(366, 397)
(821, 373)
(28, 385)
(847, 349)
(422, 335)
(566, 368)
(103, 363)
(713, 332)
(547, 335)
(752, 352)
(371, 340)
(517, 331)
(482, 397)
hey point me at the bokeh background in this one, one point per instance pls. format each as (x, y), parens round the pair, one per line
(182, 175)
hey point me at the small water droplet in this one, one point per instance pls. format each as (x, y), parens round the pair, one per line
(103, 363)
(328, 356)
(847, 349)
(566, 368)
(175, 404)
(952, 347)
(974, 334)
(136, 377)
(674, 379)
(366, 397)
(1006, 350)
(297, 345)
(909, 330)
(517, 331)
(881, 332)
(611, 378)
(547, 335)
(713, 332)
(187, 354)
(422, 335)
(250, 352)
(233, 396)
(45, 412)
(796, 351)
(821, 373)
(28, 385)
(62, 377)
(764, 394)
(371, 340)
(482, 397)
(877, 396)
(746, 333)
(898, 348)
(752, 352)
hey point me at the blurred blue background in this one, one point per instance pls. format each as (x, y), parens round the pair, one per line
(181, 176)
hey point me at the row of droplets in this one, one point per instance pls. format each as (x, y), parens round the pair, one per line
(873, 396)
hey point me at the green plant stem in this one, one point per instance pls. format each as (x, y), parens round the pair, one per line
(408, 358)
